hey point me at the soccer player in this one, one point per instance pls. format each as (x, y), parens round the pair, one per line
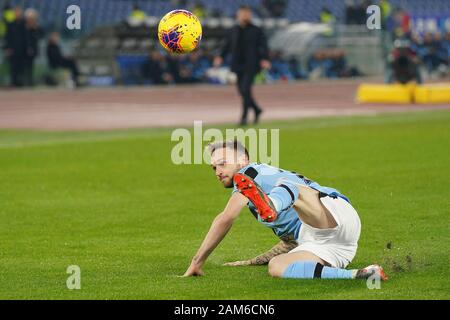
(322, 221)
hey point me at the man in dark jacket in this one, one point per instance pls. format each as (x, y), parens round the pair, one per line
(249, 53)
(33, 34)
(16, 48)
(57, 60)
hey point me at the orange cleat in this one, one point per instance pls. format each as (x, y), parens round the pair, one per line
(371, 270)
(250, 189)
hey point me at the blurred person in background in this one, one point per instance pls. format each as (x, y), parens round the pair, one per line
(249, 54)
(137, 15)
(33, 34)
(328, 18)
(57, 60)
(330, 63)
(355, 12)
(350, 12)
(174, 67)
(404, 63)
(441, 53)
(339, 67)
(156, 70)
(402, 23)
(316, 65)
(199, 10)
(8, 16)
(280, 68)
(386, 10)
(363, 7)
(432, 51)
(196, 64)
(296, 69)
(447, 45)
(16, 48)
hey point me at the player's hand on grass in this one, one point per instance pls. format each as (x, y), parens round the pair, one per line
(194, 271)
(238, 263)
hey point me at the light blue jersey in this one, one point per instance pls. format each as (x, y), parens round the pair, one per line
(281, 184)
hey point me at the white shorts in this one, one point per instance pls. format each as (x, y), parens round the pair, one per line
(338, 245)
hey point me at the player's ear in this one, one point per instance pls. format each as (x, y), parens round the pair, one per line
(242, 160)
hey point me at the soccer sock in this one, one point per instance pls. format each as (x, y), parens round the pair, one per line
(276, 203)
(310, 270)
(284, 195)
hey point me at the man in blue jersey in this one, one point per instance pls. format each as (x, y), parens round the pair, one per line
(317, 226)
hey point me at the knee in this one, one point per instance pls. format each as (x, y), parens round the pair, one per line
(276, 267)
(272, 267)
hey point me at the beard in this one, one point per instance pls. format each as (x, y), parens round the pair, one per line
(227, 183)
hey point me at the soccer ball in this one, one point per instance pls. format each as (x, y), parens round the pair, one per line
(179, 31)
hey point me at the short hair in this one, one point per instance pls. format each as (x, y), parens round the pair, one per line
(229, 144)
(245, 7)
(30, 12)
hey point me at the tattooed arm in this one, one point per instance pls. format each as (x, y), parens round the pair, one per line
(284, 246)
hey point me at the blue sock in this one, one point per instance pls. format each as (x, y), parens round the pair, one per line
(284, 195)
(310, 270)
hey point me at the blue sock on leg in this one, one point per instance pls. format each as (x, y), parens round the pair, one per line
(310, 270)
(284, 195)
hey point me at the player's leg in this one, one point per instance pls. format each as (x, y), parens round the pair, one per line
(241, 84)
(304, 199)
(325, 248)
(247, 83)
(306, 265)
(248, 92)
(311, 210)
(322, 254)
(279, 264)
(253, 103)
(306, 202)
(327, 243)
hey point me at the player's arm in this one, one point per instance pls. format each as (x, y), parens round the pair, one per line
(219, 228)
(263, 50)
(284, 246)
(263, 45)
(219, 59)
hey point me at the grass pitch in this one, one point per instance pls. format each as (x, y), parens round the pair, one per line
(114, 204)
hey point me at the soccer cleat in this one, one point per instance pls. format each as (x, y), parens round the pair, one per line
(250, 189)
(371, 270)
(257, 115)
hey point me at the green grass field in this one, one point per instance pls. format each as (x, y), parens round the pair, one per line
(114, 204)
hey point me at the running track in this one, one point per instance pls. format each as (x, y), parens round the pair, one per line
(135, 107)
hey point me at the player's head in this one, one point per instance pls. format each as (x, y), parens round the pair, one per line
(54, 37)
(31, 16)
(227, 158)
(244, 15)
(18, 12)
